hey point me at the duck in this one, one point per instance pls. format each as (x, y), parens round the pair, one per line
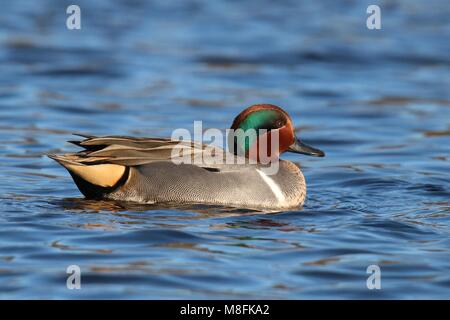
(171, 171)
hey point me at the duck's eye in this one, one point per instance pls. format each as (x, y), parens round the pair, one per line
(278, 123)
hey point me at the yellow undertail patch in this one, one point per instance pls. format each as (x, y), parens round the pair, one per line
(103, 175)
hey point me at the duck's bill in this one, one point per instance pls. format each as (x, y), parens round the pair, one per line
(300, 147)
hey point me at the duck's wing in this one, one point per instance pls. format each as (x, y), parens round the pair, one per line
(105, 162)
(131, 151)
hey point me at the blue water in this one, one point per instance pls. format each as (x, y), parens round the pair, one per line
(377, 101)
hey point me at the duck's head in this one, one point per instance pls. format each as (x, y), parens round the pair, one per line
(271, 119)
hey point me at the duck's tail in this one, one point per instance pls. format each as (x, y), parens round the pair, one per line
(93, 180)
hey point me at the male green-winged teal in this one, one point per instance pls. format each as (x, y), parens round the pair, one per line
(146, 169)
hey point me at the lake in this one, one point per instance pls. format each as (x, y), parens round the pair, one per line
(376, 101)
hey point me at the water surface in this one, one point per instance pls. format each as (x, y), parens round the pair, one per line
(378, 103)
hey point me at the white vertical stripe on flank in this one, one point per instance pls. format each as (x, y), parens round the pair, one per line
(273, 186)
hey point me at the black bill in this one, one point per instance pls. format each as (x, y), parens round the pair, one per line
(300, 147)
